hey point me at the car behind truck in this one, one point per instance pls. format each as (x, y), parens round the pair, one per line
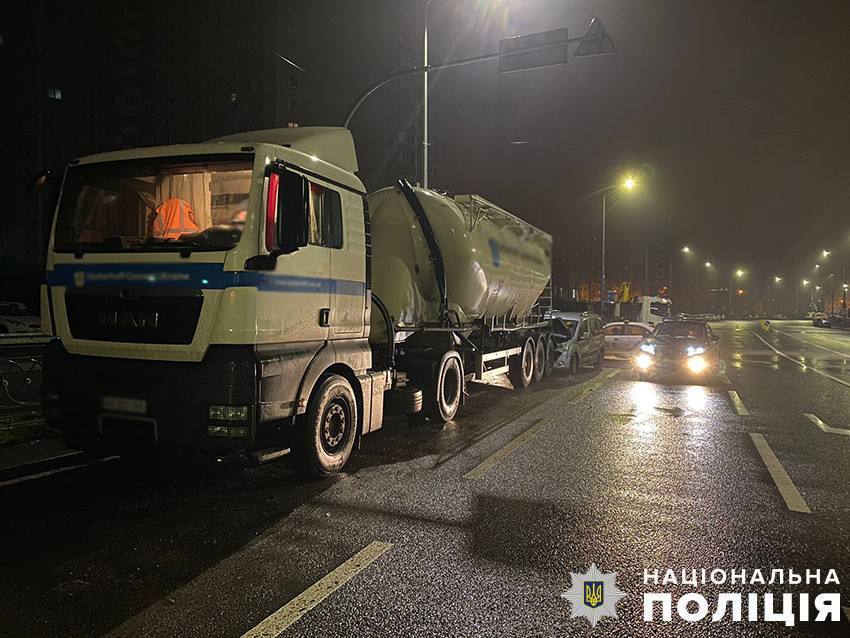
(245, 297)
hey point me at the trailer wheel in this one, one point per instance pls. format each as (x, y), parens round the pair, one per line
(327, 433)
(521, 366)
(551, 355)
(539, 359)
(443, 396)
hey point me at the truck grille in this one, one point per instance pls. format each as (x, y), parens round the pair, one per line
(130, 316)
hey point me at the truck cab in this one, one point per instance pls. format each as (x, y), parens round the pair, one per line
(214, 296)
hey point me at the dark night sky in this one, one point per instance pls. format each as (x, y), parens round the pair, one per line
(741, 108)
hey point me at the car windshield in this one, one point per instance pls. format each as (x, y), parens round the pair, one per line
(681, 330)
(159, 204)
(565, 326)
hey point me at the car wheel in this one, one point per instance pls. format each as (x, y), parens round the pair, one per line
(328, 429)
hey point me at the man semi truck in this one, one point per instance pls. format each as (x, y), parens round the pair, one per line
(244, 297)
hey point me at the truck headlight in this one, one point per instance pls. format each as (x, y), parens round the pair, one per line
(228, 412)
(697, 364)
(643, 361)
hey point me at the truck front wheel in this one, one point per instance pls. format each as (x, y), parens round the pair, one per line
(327, 433)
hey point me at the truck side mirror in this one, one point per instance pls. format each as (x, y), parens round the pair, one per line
(287, 217)
(293, 210)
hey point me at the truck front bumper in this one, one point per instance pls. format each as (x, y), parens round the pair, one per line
(125, 405)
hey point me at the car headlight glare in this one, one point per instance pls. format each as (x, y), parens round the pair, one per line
(697, 364)
(643, 361)
(649, 348)
(695, 350)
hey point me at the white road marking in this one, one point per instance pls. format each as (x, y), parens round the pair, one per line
(793, 498)
(60, 470)
(316, 593)
(479, 470)
(823, 426)
(804, 366)
(740, 408)
(840, 354)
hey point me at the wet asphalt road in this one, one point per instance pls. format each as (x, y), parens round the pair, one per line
(630, 475)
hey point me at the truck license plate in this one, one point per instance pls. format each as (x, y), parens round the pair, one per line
(124, 404)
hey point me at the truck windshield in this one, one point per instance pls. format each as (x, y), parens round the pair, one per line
(186, 203)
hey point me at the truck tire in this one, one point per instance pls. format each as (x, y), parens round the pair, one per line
(327, 431)
(521, 366)
(551, 355)
(406, 400)
(442, 398)
(539, 359)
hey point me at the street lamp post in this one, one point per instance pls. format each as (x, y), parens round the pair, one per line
(628, 184)
(425, 140)
(738, 273)
(776, 280)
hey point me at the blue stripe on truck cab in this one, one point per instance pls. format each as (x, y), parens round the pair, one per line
(209, 276)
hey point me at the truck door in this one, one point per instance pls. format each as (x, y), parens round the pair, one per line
(342, 220)
(294, 300)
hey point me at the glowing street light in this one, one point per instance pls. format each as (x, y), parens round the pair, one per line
(686, 249)
(777, 279)
(805, 282)
(708, 264)
(826, 253)
(739, 273)
(629, 183)
(817, 266)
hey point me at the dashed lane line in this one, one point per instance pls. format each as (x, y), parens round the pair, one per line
(793, 499)
(823, 426)
(800, 363)
(739, 406)
(481, 469)
(816, 345)
(316, 593)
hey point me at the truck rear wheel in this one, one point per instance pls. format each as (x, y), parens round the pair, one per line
(327, 433)
(521, 366)
(443, 397)
(539, 359)
(551, 355)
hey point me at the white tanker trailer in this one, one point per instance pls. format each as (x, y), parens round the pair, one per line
(244, 297)
(459, 282)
